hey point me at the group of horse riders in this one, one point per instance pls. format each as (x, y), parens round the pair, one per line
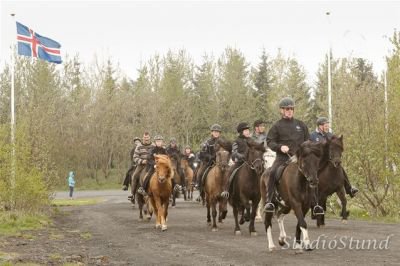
(143, 162)
(284, 138)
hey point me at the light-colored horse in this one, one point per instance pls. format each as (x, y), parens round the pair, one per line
(160, 189)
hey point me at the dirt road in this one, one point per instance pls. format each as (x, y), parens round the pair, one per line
(110, 233)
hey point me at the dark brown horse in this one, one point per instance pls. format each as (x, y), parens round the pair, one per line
(214, 184)
(244, 188)
(331, 177)
(179, 178)
(295, 189)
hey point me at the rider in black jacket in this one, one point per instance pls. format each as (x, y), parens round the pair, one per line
(285, 137)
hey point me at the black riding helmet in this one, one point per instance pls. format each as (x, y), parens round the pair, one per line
(286, 102)
(322, 121)
(216, 127)
(242, 126)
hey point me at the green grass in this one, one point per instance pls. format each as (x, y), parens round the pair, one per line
(14, 223)
(86, 235)
(76, 202)
(357, 213)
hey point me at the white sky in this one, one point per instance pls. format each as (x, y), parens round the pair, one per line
(130, 32)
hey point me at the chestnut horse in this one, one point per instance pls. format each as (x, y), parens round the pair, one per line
(214, 184)
(188, 171)
(160, 189)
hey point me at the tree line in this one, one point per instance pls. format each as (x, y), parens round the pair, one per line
(84, 117)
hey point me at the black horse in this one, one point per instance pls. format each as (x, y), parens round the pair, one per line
(178, 181)
(296, 191)
(244, 188)
(331, 177)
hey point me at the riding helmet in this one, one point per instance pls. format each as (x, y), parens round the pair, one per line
(242, 126)
(216, 127)
(136, 138)
(286, 102)
(158, 137)
(322, 121)
(258, 123)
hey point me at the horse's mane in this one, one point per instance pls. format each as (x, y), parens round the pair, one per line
(225, 144)
(337, 140)
(255, 145)
(311, 147)
(164, 160)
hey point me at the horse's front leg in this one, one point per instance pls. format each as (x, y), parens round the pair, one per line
(253, 213)
(342, 196)
(235, 215)
(282, 232)
(156, 206)
(301, 228)
(164, 226)
(214, 215)
(173, 198)
(268, 229)
(161, 213)
(208, 205)
(321, 218)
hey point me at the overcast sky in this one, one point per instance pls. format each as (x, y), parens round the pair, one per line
(130, 32)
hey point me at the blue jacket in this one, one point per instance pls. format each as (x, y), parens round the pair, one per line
(71, 180)
(318, 136)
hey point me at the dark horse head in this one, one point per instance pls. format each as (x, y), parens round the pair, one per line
(335, 150)
(308, 160)
(254, 156)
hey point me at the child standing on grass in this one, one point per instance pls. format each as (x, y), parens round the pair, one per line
(71, 183)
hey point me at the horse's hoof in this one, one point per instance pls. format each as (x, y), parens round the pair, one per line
(209, 223)
(308, 248)
(238, 233)
(214, 229)
(241, 222)
(148, 218)
(271, 248)
(221, 221)
(253, 234)
(140, 219)
(344, 221)
(298, 251)
(158, 226)
(322, 226)
(281, 242)
(164, 227)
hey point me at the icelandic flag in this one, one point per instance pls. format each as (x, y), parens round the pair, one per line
(33, 44)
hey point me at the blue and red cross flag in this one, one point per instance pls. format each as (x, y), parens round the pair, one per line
(33, 44)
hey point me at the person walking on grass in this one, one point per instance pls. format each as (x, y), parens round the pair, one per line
(71, 184)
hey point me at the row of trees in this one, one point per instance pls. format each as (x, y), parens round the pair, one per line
(85, 117)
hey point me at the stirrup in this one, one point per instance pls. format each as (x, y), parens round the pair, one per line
(318, 210)
(353, 192)
(269, 207)
(141, 191)
(178, 188)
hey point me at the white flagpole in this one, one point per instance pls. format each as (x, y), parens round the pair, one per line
(12, 120)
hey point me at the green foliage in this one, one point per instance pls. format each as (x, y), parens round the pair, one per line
(82, 118)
